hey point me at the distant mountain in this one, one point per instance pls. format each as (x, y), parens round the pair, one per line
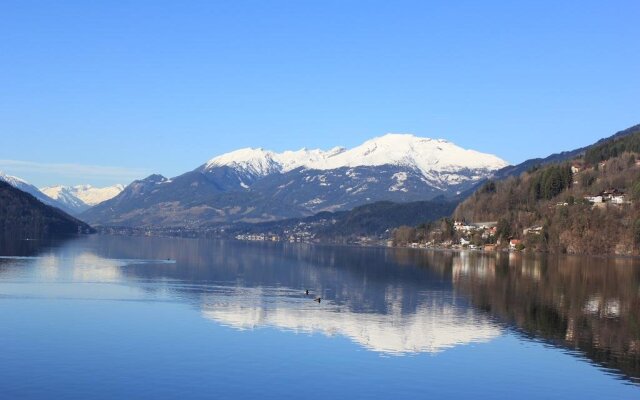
(25, 186)
(439, 161)
(256, 185)
(370, 220)
(81, 197)
(24, 216)
(70, 199)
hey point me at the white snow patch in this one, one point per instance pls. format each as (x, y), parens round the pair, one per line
(285, 185)
(12, 180)
(401, 178)
(314, 202)
(359, 190)
(423, 154)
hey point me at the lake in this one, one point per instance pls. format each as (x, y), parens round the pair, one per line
(107, 317)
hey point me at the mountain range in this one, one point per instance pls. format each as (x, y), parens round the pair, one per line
(23, 216)
(257, 185)
(70, 199)
(81, 197)
(25, 186)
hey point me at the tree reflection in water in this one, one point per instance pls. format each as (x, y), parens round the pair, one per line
(586, 304)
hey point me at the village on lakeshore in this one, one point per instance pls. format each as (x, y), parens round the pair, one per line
(578, 187)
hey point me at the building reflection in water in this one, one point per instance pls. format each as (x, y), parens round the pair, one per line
(588, 305)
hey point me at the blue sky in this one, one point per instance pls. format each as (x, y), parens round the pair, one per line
(105, 92)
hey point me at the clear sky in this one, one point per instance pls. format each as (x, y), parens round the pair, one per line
(105, 92)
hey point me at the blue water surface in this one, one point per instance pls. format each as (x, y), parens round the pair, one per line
(105, 317)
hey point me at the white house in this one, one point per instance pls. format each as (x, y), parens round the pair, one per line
(594, 199)
(485, 225)
(618, 199)
(534, 230)
(462, 226)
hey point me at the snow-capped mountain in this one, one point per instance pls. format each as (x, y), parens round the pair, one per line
(94, 195)
(436, 159)
(80, 197)
(64, 196)
(253, 185)
(25, 186)
(15, 181)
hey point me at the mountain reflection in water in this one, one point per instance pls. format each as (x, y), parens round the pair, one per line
(394, 301)
(433, 326)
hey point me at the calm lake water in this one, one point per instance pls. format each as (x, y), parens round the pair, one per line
(154, 318)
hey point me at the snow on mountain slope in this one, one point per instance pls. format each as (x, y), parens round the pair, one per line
(13, 180)
(82, 196)
(94, 195)
(64, 196)
(426, 155)
(257, 185)
(25, 186)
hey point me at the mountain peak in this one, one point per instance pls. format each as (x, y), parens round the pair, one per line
(424, 154)
(157, 178)
(405, 138)
(80, 197)
(12, 180)
(34, 191)
(256, 161)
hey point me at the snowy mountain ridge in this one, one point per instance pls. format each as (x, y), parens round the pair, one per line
(71, 199)
(12, 180)
(256, 185)
(426, 155)
(25, 186)
(87, 194)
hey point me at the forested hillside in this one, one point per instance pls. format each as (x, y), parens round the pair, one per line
(587, 205)
(22, 216)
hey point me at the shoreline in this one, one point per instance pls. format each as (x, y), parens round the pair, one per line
(378, 245)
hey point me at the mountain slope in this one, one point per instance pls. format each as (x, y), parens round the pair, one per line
(254, 185)
(433, 158)
(63, 195)
(95, 195)
(515, 170)
(527, 165)
(80, 197)
(371, 220)
(25, 186)
(588, 205)
(24, 216)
